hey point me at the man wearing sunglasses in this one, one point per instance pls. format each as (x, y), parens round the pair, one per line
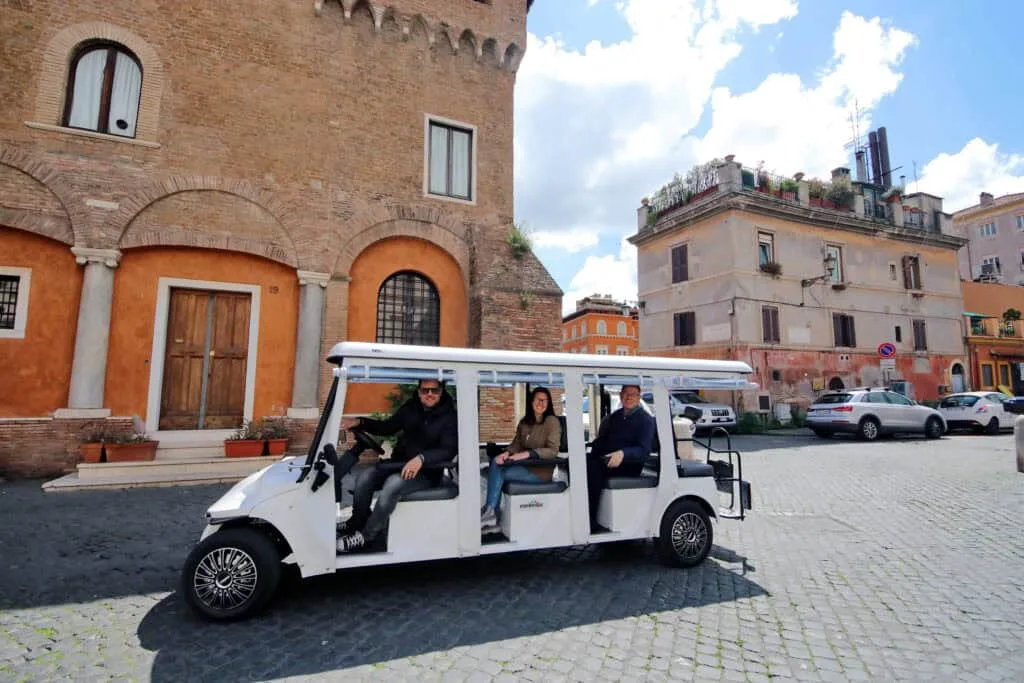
(429, 427)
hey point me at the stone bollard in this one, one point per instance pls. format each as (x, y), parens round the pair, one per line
(1018, 440)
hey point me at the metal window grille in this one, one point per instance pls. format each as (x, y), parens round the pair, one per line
(408, 311)
(8, 300)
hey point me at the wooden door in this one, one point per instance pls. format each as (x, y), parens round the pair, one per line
(205, 360)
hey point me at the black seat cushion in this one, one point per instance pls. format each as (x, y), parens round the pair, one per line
(563, 444)
(694, 468)
(519, 488)
(641, 482)
(446, 490)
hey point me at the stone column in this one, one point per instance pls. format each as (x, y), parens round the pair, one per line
(306, 381)
(89, 367)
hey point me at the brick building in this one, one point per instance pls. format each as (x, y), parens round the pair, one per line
(600, 325)
(803, 279)
(194, 203)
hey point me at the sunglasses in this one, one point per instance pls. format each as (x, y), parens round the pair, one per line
(430, 390)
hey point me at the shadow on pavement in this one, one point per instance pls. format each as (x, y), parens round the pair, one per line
(364, 617)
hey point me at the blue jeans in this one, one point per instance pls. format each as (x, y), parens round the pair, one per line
(498, 475)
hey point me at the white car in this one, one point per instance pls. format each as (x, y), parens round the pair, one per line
(712, 414)
(682, 427)
(870, 412)
(977, 410)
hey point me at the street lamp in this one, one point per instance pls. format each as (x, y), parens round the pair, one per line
(830, 263)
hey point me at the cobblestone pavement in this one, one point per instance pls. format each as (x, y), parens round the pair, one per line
(896, 560)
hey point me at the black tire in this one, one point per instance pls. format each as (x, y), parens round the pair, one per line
(992, 428)
(822, 433)
(933, 427)
(869, 429)
(231, 575)
(686, 534)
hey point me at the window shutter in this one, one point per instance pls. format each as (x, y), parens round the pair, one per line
(906, 272)
(680, 263)
(837, 329)
(853, 331)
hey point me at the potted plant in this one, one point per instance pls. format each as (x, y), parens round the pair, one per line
(772, 268)
(137, 447)
(247, 442)
(788, 189)
(816, 190)
(276, 434)
(92, 446)
(840, 194)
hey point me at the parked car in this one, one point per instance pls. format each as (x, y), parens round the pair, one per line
(871, 412)
(680, 427)
(977, 410)
(1014, 405)
(712, 414)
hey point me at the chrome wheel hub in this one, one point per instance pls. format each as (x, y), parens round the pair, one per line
(689, 535)
(225, 578)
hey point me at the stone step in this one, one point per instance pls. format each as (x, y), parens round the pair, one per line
(73, 482)
(179, 453)
(237, 468)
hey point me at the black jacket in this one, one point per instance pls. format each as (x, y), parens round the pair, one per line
(432, 433)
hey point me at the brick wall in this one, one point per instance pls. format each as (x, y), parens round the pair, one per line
(45, 447)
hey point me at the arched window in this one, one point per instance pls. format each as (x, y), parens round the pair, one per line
(408, 311)
(601, 327)
(103, 90)
(622, 329)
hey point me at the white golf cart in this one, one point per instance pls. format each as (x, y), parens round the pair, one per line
(286, 513)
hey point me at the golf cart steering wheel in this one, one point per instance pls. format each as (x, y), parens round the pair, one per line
(367, 441)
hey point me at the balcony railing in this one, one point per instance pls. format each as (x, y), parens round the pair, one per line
(991, 327)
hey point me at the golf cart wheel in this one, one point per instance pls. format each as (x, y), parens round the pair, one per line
(232, 574)
(933, 428)
(992, 428)
(686, 534)
(868, 429)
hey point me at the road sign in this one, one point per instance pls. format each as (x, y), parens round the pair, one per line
(887, 363)
(886, 350)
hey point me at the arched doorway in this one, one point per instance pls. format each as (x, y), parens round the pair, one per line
(836, 384)
(957, 376)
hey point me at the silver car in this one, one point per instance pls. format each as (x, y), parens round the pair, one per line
(870, 412)
(711, 414)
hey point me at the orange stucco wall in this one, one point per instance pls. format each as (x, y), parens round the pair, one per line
(377, 263)
(132, 321)
(587, 343)
(35, 372)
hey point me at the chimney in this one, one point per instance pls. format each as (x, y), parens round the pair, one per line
(862, 168)
(876, 168)
(985, 199)
(883, 150)
(840, 174)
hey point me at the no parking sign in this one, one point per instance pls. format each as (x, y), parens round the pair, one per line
(886, 350)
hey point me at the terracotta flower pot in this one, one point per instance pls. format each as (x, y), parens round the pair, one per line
(92, 452)
(243, 448)
(140, 451)
(276, 446)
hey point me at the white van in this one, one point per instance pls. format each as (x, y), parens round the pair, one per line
(286, 513)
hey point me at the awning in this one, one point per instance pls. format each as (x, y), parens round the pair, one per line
(977, 315)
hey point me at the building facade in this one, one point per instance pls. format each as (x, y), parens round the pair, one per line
(602, 326)
(995, 336)
(802, 279)
(195, 204)
(994, 230)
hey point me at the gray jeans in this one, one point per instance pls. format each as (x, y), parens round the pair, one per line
(392, 488)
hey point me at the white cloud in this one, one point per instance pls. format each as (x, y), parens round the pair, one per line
(601, 127)
(572, 241)
(612, 274)
(978, 167)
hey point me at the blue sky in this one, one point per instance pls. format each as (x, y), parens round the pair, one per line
(613, 96)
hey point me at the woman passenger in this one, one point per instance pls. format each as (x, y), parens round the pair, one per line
(538, 434)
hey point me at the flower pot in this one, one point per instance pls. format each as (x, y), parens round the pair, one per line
(138, 451)
(276, 446)
(92, 452)
(243, 448)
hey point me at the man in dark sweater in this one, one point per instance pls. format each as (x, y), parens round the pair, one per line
(623, 443)
(429, 426)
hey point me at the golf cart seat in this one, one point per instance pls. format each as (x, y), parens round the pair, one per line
(686, 468)
(446, 490)
(518, 488)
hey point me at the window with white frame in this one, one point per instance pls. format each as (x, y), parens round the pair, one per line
(836, 271)
(995, 267)
(765, 248)
(14, 288)
(1022, 260)
(987, 230)
(621, 350)
(1020, 222)
(450, 160)
(622, 329)
(602, 328)
(601, 350)
(583, 328)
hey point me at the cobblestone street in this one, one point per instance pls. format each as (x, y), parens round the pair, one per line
(895, 560)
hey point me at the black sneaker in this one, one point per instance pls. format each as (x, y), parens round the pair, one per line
(355, 541)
